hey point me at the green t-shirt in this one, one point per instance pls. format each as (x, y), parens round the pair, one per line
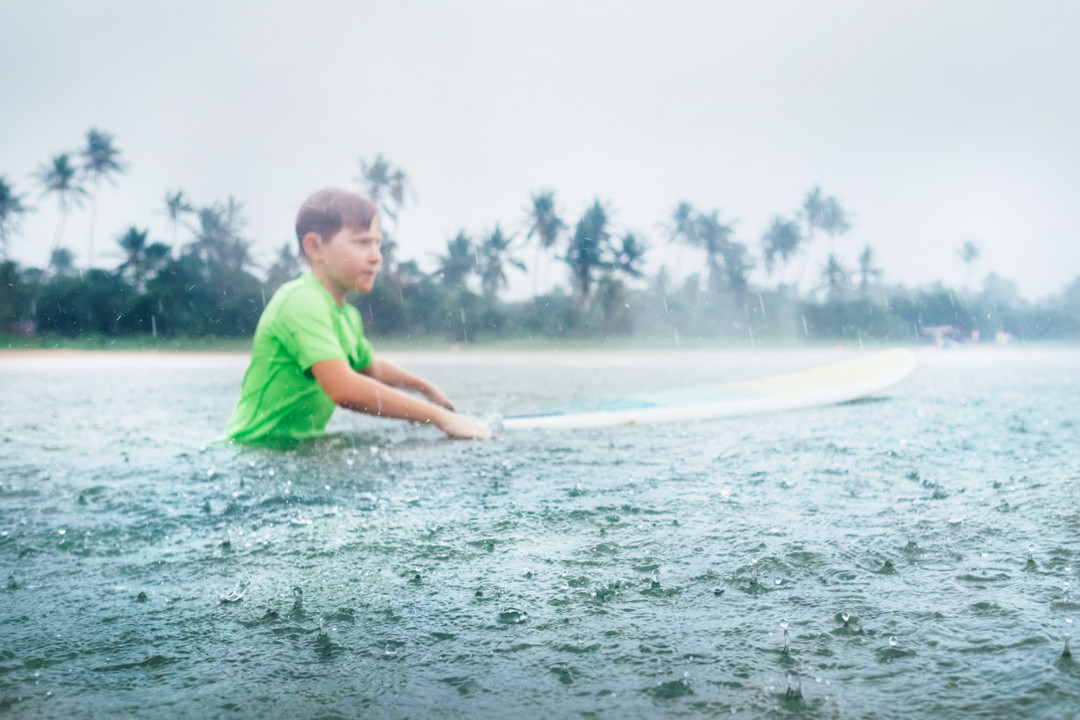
(280, 399)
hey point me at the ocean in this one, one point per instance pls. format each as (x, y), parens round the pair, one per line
(915, 554)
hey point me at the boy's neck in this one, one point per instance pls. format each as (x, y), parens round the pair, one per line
(331, 287)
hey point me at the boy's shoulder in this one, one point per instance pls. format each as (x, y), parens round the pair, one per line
(302, 292)
(301, 301)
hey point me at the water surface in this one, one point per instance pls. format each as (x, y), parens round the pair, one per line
(909, 555)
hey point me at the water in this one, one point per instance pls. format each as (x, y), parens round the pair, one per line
(914, 555)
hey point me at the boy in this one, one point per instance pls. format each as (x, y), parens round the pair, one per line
(310, 355)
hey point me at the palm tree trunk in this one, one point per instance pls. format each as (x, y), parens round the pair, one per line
(93, 223)
(536, 271)
(62, 211)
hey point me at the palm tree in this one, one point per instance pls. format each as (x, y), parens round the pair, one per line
(835, 277)
(737, 264)
(59, 178)
(285, 267)
(176, 207)
(140, 259)
(61, 260)
(969, 255)
(630, 255)
(100, 160)
(586, 254)
(399, 183)
(867, 271)
(545, 223)
(459, 262)
(781, 240)
(683, 228)
(683, 223)
(714, 237)
(384, 185)
(217, 239)
(494, 257)
(11, 208)
(825, 214)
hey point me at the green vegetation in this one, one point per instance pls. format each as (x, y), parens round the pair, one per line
(199, 290)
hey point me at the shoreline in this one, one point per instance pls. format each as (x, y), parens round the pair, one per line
(583, 355)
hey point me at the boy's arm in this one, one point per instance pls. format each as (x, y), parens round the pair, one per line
(368, 395)
(390, 374)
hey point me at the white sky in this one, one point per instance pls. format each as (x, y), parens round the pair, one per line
(932, 122)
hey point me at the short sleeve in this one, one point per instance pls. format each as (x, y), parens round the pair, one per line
(306, 330)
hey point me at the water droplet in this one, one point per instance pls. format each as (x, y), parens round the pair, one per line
(893, 642)
(778, 582)
(845, 617)
(783, 623)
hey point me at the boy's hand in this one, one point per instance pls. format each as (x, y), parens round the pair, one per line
(464, 427)
(438, 397)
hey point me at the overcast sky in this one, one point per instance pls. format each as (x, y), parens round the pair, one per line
(931, 122)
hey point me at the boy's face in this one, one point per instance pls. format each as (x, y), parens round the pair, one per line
(352, 258)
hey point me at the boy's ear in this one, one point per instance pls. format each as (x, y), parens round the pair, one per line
(312, 243)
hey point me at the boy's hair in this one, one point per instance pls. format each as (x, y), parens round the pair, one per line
(331, 209)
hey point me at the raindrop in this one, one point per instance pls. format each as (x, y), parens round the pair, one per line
(1067, 653)
(236, 594)
(793, 692)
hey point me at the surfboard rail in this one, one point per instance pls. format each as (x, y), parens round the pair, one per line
(830, 384)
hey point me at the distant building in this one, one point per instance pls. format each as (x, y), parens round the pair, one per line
(943, 335)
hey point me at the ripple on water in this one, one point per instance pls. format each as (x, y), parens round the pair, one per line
(629, 572)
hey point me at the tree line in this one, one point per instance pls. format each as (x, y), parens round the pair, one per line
(202, 282)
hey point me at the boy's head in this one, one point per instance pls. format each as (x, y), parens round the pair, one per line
(328, 211)
(340, 237)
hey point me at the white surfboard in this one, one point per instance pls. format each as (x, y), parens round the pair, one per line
(839, 382)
